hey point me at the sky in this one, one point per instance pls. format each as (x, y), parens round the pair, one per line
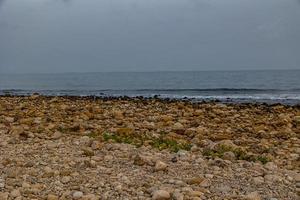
(45, 36)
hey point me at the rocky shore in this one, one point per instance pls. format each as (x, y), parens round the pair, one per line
(130, 148)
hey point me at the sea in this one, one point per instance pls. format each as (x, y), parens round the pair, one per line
(272, 87)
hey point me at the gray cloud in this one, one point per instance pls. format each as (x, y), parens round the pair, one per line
(1, 2)
(134, 35)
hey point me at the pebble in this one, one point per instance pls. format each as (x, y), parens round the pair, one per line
(160, 166)
(52, 197)
(229, 156)
(15, 193)
(177, 196)
(77, 195)
(57, 135)
(3, 195)
(2, 183)
(161, 195)
(253, 196)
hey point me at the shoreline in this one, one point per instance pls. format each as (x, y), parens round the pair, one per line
(228, 101)
(116, 148)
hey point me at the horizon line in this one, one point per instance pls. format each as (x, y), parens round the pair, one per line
(137, 71)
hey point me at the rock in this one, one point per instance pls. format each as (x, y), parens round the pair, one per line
(272, 178)
(226, 143)
(229, 156)
(258, 180)
(48, 172)
(77, 195)
(3, 195)
(90, 197)
(9, 119)
(52, 197)
(57, 135)
(177, 196)
(96, 145)
(161, 195)
(178, 126)
(195, 180)
(15, 193)
(195, 194)
(118, 115)
(66, 179)
(253, 196)
(87, 151)
(85, 141)
(125, 131)
(270, 166)
(160, 166)
(297, 119)
(142, 160)
(296, 177)
(2, 183)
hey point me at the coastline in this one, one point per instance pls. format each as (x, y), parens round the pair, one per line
(211, 141)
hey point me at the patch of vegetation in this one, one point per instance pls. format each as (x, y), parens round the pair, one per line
(173, 145)
(159, 143)
(263, 159)
(93, 135)
(239, 154)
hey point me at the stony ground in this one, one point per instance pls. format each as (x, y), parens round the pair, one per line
(77, 148)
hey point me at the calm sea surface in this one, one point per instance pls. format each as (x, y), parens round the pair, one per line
(233, 86)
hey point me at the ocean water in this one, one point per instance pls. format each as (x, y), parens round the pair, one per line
(282, 86)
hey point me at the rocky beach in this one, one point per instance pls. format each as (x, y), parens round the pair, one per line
(132, 148)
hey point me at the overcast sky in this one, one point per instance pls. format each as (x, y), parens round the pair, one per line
(148, 35)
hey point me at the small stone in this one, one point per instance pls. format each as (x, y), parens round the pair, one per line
(88, 152)
(195, 180)
(258, 180)
(178, 126)
(161, 195)
(3, 195)
(297, 177)
(66, 179)
(270, 166)
(9, 119)
(96, 145)
(52, 197)
(229, 156)
(77, 195)
(2, 183)
(195, 194)
(253, 196)
(297, 119)
(272, 178)
(177, 196)
(48, 172)
(15, 193)
(160, 166)
(90, 197)
(57, 135)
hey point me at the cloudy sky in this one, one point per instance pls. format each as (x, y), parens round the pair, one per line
(148, 35)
